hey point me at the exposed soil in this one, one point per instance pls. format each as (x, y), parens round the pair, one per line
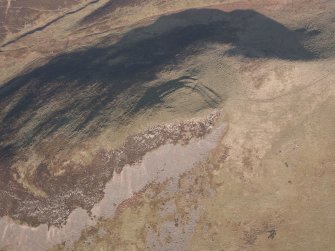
(83, 186)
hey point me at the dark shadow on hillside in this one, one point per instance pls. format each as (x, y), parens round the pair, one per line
(79, 93)
(80, 90)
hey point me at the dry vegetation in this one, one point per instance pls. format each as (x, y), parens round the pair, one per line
(113, 80)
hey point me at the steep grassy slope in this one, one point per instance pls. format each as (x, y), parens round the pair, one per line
(78, 96)
(115, 80)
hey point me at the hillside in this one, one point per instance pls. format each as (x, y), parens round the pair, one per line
(167, 125)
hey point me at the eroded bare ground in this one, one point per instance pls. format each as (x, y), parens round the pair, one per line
(72, 121)
(56, 196)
